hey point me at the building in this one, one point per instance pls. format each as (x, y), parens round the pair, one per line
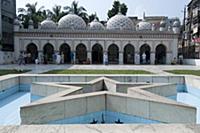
(121, 41)
(7, 16)
(191, 48)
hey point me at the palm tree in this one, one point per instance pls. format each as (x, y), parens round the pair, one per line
(57, 13)
(31, 12)
(80, 11)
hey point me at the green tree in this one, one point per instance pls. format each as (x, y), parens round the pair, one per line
(92, 17)
(31, 12)
(57, 13)
(80, 11)
(115, 9)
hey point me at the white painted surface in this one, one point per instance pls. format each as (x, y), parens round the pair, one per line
(195, 62)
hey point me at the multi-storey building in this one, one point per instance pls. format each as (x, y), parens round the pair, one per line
(7, 16)
(191, 48)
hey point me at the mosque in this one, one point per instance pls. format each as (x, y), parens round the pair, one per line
(119, 41)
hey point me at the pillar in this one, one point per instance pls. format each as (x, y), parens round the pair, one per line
(40, 57)
(152, 58)
(137, 58)
(121, 58)
(89, 56)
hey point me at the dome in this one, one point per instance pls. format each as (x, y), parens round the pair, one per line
(163, 23)
(176, 23)
(96, 25)
(17, 22)
(143, 25)
(71, 21)
(48, 24)
(30, 22)
(120, 22)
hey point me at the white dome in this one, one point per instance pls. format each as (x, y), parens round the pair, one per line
(176, 23)
(163, 23)
(71, 21)
(143, 25)
(30, 22)
(16, 21)
(48, 24)
(120, 22)
(96, 25)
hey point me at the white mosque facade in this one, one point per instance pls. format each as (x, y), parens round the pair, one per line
(119, 42)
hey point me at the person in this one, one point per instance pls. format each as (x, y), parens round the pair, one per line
(36, 61)
(62, 58)
(21, 61)
(144, 58)
(58, 59)
(105, 59)
(174, 61)
(72, 57)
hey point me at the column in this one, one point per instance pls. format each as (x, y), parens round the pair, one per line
(152, 58)
(121, 58)
(40, 57)
(89, 56)
(73, 57)
(137, 58)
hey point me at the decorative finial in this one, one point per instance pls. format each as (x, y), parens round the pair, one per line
(120, 9)
(143, 15)
(95, 17)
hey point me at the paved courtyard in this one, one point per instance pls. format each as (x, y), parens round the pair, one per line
(157, 69)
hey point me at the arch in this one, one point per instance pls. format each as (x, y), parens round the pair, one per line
(48, 51)
(32, 52)
(81, 54)
(65, 52)
(113, 54)
(160, 54)
(129, 54)
(97, 54)
(145, 54)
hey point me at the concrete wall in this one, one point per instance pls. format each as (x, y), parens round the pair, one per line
(163, 90)
(195, 62)
(163, 112)
(44, 113)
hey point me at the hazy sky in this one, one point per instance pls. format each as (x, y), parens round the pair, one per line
(171, 8)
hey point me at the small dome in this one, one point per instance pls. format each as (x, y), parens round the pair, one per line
(176, 23)
(48, 24)
(120, 22)
(143, 25)
(71, 21)
(96, 25)
(163, 23)
(30, 22)
(17, 22)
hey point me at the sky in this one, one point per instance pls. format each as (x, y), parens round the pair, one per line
(171, 8)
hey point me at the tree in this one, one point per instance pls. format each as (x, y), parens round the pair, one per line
(115, 9)
(57, 13)
(31, 12)
(92, 17)
(80, 11)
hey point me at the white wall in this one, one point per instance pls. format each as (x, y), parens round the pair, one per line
(195, 62)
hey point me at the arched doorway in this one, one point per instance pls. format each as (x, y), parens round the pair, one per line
(97, 54)
(129, 54)
(66, 51)
(113, 54)
(81, 54)
(32, 52)
(145, 54)
(160, 54)
(48, 52)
